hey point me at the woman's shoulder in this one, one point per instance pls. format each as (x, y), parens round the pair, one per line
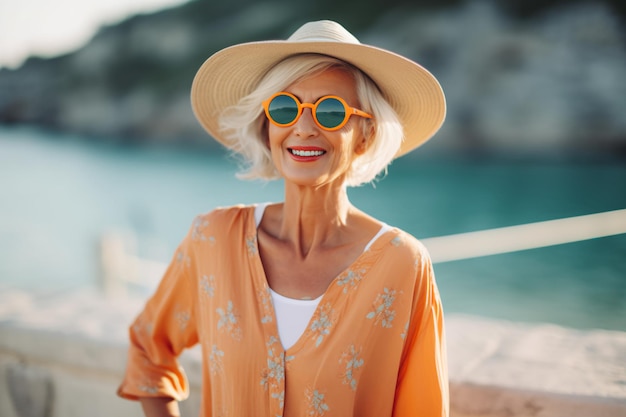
(404, 245)
(220, 218)
(223, 213)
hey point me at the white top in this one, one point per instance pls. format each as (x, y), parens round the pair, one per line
(292, 315)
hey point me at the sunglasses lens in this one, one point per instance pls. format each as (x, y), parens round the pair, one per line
(330, 113)
(283, 109)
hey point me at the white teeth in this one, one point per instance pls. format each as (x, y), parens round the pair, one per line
(306, 153)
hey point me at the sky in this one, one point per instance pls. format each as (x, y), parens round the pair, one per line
(53, 27)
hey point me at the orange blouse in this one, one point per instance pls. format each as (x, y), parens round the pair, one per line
(375, 346)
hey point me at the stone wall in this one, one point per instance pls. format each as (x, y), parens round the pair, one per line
(64, 355)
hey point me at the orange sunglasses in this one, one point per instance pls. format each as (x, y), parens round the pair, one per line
(329, 112)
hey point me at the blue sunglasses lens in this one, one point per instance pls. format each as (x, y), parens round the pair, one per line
(330, 113)
(283, 109)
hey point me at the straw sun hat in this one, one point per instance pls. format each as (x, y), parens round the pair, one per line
(234, 72)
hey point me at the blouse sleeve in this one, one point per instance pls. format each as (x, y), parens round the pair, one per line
(422, 388)
(159, 334)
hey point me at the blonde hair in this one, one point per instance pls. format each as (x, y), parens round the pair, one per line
(245, 125)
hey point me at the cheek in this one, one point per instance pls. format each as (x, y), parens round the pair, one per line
(276, 136)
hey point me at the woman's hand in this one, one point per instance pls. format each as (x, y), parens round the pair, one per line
(160, 407)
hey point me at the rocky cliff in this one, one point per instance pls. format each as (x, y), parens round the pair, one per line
(520, 77)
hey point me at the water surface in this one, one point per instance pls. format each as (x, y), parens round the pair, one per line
(59, 195)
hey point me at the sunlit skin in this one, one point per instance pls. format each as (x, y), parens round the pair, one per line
(316, 233)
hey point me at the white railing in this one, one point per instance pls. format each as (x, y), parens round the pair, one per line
(121, 268)
(526, 236)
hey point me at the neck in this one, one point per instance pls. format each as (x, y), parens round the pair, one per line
(315, 217)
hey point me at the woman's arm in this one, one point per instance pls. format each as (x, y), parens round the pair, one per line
(163, 329)
(160, 407)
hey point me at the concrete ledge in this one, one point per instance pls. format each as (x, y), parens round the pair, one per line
(64, 355)
(537, 357)
(473, 400)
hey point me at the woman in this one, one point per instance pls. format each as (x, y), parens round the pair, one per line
(309, 307)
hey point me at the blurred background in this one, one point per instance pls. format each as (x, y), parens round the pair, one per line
(98, 141)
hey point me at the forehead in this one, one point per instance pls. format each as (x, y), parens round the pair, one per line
(332, 81)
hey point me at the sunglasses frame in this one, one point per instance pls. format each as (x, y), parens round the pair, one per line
(349, 111)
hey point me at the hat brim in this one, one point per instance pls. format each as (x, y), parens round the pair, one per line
(230, 74)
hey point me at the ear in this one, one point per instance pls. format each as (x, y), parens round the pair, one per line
(361, 146)
(365, 141)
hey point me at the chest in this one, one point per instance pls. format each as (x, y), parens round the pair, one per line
(294, 276)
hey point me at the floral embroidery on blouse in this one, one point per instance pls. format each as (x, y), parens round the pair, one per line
(215, 360)
(199, 224)
(266, 305)
(182, 317)
(273, 376)
(322, 324)
(281, 399)
(229, 321)
(181, 257)
(405, 331)
(351, 279)
(275, 371)
(141, 326)
(149, 389)
(317, 406)
(383, 313)
(352, 362)
(251, 245)
(208, 285)
(416, 265)
(396, 241)
(148, 386)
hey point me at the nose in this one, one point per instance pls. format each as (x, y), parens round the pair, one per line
(305, 125)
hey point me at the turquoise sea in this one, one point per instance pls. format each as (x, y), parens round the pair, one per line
(60, 194)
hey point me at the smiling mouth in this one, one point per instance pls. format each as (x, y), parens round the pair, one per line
(306, 153)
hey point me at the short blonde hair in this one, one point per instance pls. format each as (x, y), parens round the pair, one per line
(245, 124)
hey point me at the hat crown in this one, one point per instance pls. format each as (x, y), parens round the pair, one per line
(323, 31)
